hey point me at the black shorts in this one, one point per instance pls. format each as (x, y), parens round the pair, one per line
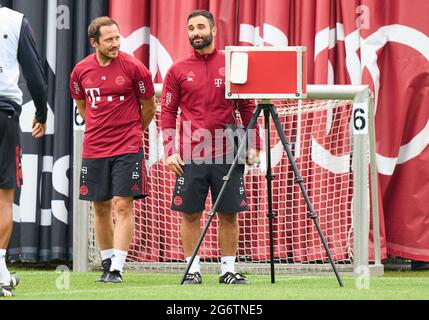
(101, 179)
(192, 187)
(10, 151)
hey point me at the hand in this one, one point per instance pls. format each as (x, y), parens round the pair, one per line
(175, 163)
(38, 129)
(252, 157)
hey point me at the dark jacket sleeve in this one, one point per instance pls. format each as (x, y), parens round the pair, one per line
(32, 70)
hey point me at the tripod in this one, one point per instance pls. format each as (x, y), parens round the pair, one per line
(268, 109)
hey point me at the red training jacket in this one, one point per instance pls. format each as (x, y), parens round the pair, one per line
(196, 85)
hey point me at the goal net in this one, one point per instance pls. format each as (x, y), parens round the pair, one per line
(322, 136)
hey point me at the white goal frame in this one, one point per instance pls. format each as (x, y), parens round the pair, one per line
(364, 166)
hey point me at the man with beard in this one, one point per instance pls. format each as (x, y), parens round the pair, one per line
(114, 93)
(196, 84)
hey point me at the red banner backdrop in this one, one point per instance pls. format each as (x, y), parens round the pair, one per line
(381, 43)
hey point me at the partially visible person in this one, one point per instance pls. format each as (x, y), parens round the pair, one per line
(17, 48)
(196, 85)
(115, 95)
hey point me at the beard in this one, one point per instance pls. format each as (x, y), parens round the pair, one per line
(110, 54)
(206, 41)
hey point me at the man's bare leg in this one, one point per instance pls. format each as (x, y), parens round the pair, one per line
(190, 232)
(124, 230)
(103, 221)
(6, 224)
(228, 242)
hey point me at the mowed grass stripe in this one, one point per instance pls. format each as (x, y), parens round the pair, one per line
(42, 285)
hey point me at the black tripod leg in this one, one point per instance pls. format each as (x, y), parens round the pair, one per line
(299, 179)
(226, 179)
(269, 178)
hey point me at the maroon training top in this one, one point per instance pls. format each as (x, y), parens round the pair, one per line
(196, 85)
(112, 93)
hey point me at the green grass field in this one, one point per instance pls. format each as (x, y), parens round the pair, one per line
(41, 284)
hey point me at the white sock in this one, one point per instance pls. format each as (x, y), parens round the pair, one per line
(118, 260)
(106, 254)
(227, 264)
(4, 273)
(195, 267)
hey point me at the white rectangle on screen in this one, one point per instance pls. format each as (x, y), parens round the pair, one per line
(239, 64)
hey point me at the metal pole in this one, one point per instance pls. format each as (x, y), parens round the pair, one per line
(80, 211)
(269, 177)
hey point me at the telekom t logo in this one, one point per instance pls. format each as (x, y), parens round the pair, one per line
(91, 92)
(218, 82)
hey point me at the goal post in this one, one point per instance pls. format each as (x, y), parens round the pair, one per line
(363, 147)
(81, 209)
(332, 128)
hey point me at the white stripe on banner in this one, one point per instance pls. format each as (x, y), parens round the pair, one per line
(272, 35)
(159, 57)
(60, 181)
(59, 210)
(45, 217)
(16, 211)
(323, 158)
(407, 152)
(46, 214)
(51, 35)
(30, 163)
(27, 115)
(394, 33)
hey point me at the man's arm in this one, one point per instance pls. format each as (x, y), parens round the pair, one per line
(81, 107)
(32, 70)
(246, 109)
(169, 109)
(147, 111)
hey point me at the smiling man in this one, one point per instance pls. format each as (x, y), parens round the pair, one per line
(196, 84)
(115, 95)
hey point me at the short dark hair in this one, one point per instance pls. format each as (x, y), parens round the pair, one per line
(96, 24)
(204, 13)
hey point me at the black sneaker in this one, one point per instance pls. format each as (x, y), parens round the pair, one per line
(114, 277)
(106, 263)
(233, 278)
(14, 281)
(193, 278)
